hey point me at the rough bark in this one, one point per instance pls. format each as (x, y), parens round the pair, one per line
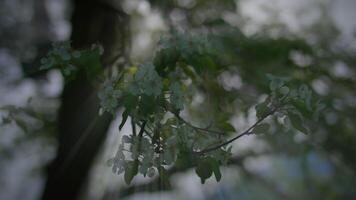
(81, 130)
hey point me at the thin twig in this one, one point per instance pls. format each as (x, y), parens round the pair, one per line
(145, 129)
(198, 128)
(247, 132)
(140, 134)
(133, 125)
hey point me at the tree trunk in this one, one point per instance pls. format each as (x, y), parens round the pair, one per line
(81, 130)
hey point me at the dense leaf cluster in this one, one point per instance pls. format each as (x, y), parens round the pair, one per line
(154, 96)
(70, 61)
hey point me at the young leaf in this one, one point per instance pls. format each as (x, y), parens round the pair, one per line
(297, 122)
(125, 115)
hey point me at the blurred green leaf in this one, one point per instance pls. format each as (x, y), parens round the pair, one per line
(131, 169)
(261, 128)
(297, 122)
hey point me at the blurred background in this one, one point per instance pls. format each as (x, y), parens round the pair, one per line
(316, 37)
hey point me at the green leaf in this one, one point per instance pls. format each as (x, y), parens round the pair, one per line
(261, 128)
(275, 82)
(302, 108)
(226, 127)
(168, 156)
(131, 169)
(222, 156)
(21, 123)
(129, 101)
(148, 81)
(184, 159)
(306, 95)
(204, 170)
(177, 97)
(125, 115)
(147, 160)
(215, 168)
(262, 108)
(202, 63)
(297, 122)
(143, 168)
(318, 110)
(304, 91)
(284, 90)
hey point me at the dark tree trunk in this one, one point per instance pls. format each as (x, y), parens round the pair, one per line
(81, 130)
